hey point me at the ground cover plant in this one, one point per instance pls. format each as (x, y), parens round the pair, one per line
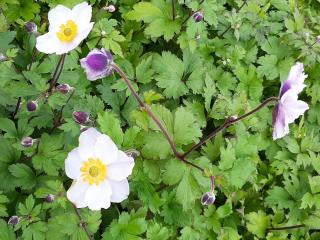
(163, 119)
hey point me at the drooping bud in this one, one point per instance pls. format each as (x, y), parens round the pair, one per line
(50, 198)
(13, 220)
(31, 27)
(198, 16)
(80, 117)
(27, 142)
(32, 106)
(208, 198)
(97, 64)
(110, 8)
(64, 88)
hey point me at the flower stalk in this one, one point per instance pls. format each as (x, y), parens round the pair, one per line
(227, 123)
(154, 118)
(83, 224)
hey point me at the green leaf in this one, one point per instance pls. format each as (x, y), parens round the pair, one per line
(111, 126)
(6, 232)
(185, 120)
(169, 71)
(258, 223)
(24, 176)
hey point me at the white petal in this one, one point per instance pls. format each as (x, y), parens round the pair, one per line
(89, 137)
(293, 107)
(296, 77)
(73, 164)
(280, 127)
(76, 193)
(57, 16)
(106, 149)
(81, 14)
(98, 197)
(48, 43)
(121, 168)
(120, 190)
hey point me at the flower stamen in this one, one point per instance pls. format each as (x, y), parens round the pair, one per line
(68, 31)
(93, 171)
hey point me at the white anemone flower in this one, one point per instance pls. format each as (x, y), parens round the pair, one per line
(67, 28)
(99, 171)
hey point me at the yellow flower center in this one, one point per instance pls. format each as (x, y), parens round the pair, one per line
(93, 171)
(67, 31)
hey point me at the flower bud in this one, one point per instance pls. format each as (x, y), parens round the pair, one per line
(208, 198)
(198, 16)
(31, 27)
(27, 142)
(80, 117)
(50, 198)
(32, 106)
(318, 39)
(110, 8)
(64, 88)
(97, 64)
(13, 220)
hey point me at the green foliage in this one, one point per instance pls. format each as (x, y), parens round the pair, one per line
(193, 76)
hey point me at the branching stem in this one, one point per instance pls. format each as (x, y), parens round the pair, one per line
(154, 118)
(227, 123)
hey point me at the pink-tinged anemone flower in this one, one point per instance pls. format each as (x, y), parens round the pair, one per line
(97, 64)
(289, 107)
(67, 28)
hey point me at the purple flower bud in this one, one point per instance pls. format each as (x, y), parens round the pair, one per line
(97, 64)
(80, 117)
(13, 220)
(32, 106)
(64, 88)
(318, 39)
(31, 27)
(27, 142)
(208, 198)
(198, 16)
(110, 8)
(50, 198)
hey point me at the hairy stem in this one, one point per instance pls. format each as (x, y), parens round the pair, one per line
(83, 224)
(173, 2)
(227, 123)
(154, 118)
(286, 227)
(57, 73)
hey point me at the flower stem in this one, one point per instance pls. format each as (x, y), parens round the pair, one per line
(286, 227)
(227, 123)
(173, 2)
(57, 73)
(57, 120)
(154, 118)
(83, 224)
